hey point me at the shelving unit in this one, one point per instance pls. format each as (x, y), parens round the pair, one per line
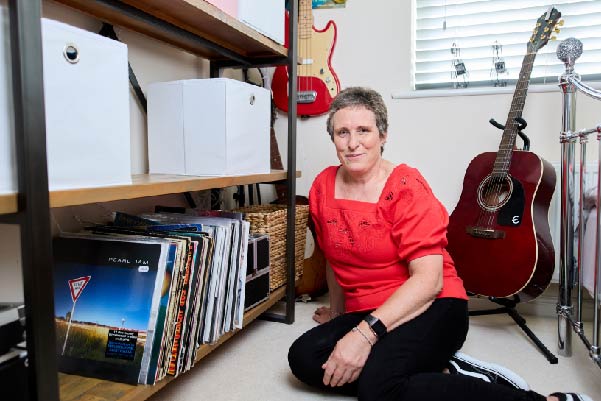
(192, 25)
(144, 185)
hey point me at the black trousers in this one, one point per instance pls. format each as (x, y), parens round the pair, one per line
(407, 363)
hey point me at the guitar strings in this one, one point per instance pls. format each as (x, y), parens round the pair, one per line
(517, 106)
(494, 192)
(303, 79)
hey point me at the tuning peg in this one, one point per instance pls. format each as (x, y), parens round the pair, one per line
(547, 29)
(553, 37)
(556, 30)
(560, 23)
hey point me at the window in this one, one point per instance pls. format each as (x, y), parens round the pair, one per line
(471, 43)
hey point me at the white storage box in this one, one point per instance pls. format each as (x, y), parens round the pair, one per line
(86, 95)
(87, 108)
(264, 16)
(8, 169)
(208, 127)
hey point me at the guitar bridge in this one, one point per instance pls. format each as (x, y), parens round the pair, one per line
(306, 96)
(485, 233)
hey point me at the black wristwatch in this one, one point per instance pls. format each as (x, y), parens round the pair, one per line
(376, 325)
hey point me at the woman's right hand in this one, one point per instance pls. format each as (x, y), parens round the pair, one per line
(322, 315)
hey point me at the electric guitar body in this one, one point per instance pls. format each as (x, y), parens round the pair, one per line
(317, 83)
(499, 234)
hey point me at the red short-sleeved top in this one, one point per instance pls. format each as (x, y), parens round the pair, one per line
(369, 245)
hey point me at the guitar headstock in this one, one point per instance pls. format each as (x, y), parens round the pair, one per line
(546, 25)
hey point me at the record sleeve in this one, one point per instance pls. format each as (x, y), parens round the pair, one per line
(107, 295)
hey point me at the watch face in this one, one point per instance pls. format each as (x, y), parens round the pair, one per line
(376, 325)
(370, 319)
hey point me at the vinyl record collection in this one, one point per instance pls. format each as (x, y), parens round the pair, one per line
(136, 298)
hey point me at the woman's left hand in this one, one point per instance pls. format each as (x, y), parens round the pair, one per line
(346, 360)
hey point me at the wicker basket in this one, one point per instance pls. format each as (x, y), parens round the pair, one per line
(272, 219)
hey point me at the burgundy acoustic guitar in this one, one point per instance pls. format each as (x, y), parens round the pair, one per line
(499, 233)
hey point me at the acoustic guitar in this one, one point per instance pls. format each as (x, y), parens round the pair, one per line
(317, 83)
(499, 233)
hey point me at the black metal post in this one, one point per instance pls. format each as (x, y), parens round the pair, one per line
(33, 199)
(291, 174)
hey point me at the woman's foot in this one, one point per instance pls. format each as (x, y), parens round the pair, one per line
(324, 314)
(466, 365)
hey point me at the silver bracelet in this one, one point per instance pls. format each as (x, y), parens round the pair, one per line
(358, 330)
(373, 332)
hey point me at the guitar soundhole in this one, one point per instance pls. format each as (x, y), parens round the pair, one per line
(494, 192)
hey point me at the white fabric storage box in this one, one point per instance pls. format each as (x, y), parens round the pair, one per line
(264, 16)
(8, 164)
(87, 108)
(86, 96)
(208, 127)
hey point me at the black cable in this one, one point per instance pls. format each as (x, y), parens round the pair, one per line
(108, 31)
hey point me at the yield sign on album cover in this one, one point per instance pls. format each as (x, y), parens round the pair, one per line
(77, 285)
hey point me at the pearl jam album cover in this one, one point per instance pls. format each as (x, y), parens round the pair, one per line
(106, 294)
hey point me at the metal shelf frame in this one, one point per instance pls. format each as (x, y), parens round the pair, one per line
(33, 215)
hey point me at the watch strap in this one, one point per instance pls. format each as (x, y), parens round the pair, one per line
(376, 325)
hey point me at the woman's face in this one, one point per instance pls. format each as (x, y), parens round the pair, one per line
(357, 139)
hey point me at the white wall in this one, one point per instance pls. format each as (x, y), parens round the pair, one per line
(440, 135)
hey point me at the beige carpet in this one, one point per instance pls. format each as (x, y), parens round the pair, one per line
(252, 366)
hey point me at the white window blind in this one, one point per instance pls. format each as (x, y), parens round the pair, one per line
(473, 29)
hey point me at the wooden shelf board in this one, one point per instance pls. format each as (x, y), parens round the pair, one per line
(156, 184)
(144, 185)
(194, 16)
(79, 388)
(8, 203)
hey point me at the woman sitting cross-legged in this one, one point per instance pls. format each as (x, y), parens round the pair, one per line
(398, 310)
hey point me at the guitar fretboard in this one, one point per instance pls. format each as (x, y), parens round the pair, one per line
(305, 19)
(503, 160)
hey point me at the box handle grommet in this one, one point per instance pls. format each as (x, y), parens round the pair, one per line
(71, 53)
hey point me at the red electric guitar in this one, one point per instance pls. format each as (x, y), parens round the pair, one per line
(499, 233)
(317, 83)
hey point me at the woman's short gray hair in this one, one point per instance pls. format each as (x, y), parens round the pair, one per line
(357, 96)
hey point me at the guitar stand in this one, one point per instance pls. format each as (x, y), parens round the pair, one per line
(521, 125)
(508, 306)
